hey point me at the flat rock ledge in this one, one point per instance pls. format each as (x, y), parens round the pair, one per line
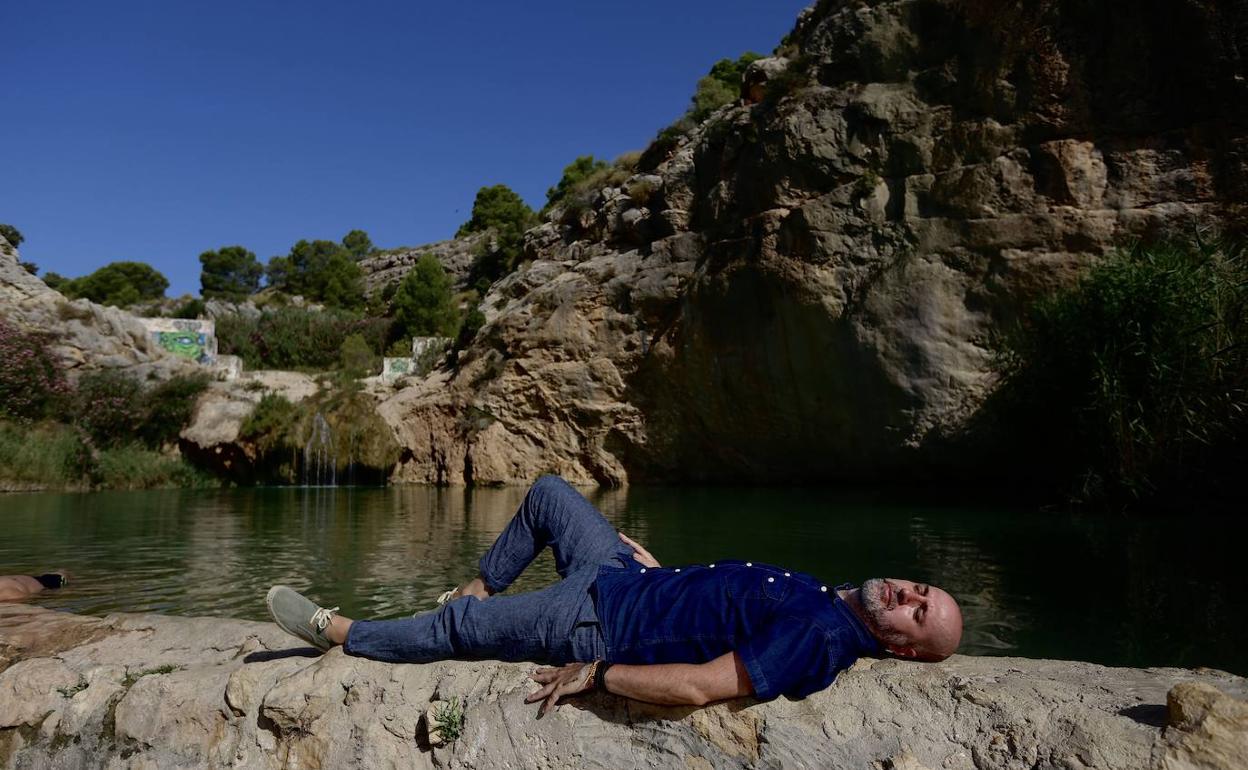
(151, 691)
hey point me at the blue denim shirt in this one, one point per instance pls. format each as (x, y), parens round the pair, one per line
(793, 632)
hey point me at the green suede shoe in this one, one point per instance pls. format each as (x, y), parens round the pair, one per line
(299, 616)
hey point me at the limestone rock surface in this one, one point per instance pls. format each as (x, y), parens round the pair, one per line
(390, 266)
(84, 335)
(808, 287)
(153, 691)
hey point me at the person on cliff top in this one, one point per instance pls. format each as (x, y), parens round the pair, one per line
(19, 588)
(620, 622)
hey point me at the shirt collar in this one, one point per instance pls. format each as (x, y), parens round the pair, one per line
(870, 644)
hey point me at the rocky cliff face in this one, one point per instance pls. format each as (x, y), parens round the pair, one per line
(85, 335)
(808, 286)
(151, 691)
(388, 267)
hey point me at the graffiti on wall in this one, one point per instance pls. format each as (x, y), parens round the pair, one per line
(426, 353)
(186, 344)
(193, 339)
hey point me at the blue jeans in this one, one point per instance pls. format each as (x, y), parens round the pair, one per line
(554, 625)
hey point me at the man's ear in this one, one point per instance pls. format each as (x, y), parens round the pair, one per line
(902, 652)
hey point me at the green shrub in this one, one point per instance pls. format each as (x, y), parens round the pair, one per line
(118, 284)
(279, 430)
(110, 406)
(56, 455)
(270, 423)
(342, 284)
(641, 191)
(719, 87)
(423, 305)
(134, 467)
(581, 195)
(322, 271)
(277, 273)
(573, 174)
(192, 308)
(54, 281)
(474, 319)
(235, 337)
(1136, 375)
(170, 406)
(358, 244)
(11, 234)
(45, 454)
(114, 409)
(356, 359)
(32, 384)
(297, 338)
(502, 212)
(231, 273)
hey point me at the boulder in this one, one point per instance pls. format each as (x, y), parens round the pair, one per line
(155, 691)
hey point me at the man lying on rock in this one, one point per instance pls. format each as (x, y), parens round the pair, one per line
(619, 622)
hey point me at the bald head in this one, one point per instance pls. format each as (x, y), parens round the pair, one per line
(911, 620)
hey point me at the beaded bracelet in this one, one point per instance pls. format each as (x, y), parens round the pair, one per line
(592, 678)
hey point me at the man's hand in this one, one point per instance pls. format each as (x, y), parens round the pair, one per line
(559, 683)
(640, 554)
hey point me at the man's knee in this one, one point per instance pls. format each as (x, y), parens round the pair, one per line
(549, 489)
(550, 483)
(551, 499)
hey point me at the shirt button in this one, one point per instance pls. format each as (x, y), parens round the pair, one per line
(771, 580)
(749, 564)
(712, 566)
(787, 575)
(678, 569)
(643, 571)
(821, 588)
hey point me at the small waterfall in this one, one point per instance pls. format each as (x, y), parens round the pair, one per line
(320, 456)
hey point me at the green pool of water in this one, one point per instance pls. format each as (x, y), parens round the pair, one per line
(1103, 588)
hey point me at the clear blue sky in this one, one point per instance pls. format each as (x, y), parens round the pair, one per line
(155, 130)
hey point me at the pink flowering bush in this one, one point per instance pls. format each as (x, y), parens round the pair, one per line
(110, 406)
(32, 384)
(116, 409)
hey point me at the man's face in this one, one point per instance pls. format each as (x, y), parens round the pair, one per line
(912, 620)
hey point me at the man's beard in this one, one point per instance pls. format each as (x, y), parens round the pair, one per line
(875, 608)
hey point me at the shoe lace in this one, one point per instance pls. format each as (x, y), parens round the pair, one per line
(320, 618)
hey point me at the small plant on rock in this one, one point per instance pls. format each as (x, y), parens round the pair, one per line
(448, 721)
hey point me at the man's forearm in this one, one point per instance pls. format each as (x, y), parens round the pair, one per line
(681, 683)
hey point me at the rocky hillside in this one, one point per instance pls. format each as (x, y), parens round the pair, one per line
(85, 335)
(389, 266)
(807, 286)
(153, 691)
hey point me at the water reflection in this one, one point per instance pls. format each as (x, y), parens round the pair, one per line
(1107, 589)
